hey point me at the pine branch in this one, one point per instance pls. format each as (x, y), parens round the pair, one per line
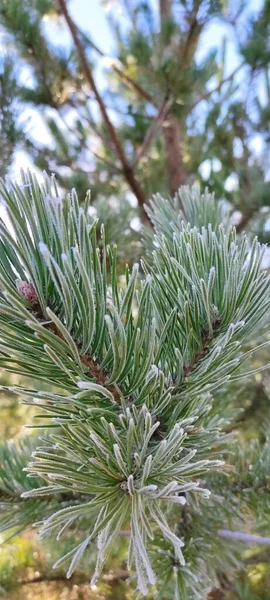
(93, 367)
(27, 32)
(101, 377)
(132, 370)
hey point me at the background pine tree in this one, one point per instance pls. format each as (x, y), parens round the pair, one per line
(163, 106)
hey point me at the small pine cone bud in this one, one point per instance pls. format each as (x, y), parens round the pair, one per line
(27, 291)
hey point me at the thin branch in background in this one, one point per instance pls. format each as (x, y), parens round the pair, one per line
(261, 557)
(126, 167)
(244, 537)
(88, 118)
(218, 87)
(235, 536)
(106, 162)
(84, 144)
(77, 579)
(157, 123)
(124, 112)
(89, 76)
(123, 76)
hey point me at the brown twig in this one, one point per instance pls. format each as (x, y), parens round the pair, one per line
(126, 167)
(100, 376)
(94, 369)
(199, 355)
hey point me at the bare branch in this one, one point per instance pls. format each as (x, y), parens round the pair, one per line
(244, 537)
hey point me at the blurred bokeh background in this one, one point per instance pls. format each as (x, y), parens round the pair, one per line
(129, 98)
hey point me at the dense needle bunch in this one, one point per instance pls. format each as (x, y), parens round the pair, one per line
(134, 438)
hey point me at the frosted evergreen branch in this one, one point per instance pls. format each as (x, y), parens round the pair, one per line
(134, 430)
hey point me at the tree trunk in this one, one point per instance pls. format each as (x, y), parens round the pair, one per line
(165, 7)
(174, 153)
(172, 134)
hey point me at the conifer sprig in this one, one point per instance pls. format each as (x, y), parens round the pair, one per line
(129, 425)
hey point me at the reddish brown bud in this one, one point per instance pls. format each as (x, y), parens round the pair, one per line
(27, 291)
